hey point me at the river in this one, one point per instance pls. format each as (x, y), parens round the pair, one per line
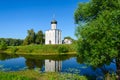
(62, 64)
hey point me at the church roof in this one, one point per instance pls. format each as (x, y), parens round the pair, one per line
(53, 22)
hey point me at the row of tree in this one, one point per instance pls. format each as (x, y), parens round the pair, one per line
(4, 42)
(11, 42)
(34, 38)
(31, 38)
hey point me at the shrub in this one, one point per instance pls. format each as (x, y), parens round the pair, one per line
(14, 50)
(62, 49)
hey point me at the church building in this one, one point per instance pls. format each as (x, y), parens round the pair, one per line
(53, 36)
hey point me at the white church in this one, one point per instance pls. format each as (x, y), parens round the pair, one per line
(53, 36)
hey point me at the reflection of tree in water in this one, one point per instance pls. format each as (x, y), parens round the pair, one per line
(4, 56)
(79, 59)
(39, 61)
(53, 57)
(99, 70)
(32, 63)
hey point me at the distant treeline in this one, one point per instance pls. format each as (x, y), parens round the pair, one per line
(31, 38)
(11, 42)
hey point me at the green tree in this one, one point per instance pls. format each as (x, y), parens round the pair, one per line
(39, 37)
(30, 39)
(3, 45)
(98, 32)
(12, 42)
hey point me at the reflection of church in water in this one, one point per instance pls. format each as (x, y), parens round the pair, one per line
(53, 66)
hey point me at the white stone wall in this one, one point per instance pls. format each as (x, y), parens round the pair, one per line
(60, 40)
(50, 36)
(53, 35)
(53, 26)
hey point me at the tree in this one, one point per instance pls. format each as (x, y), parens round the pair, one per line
(98, 32)
(34, 38)
(3, 45)
(39, 37)
(30, 39)
(12, 42)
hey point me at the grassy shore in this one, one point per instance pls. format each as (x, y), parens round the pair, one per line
(42, 49)
(34, 75)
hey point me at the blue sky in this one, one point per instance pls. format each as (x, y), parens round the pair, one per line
(18, 16)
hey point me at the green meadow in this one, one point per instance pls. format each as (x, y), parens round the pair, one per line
(42, 49)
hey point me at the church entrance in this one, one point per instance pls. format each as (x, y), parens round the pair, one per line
(49, 41)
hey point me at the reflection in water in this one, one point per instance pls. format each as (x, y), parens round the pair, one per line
(4, 56)
(65, 63)
(53, 66)
(34, 63)
(13, 64)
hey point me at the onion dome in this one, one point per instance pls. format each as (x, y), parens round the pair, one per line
(53, 22)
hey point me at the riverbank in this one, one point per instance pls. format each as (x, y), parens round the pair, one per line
(35, 75)
(42, 49)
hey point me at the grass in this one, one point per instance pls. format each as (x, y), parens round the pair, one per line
(36, 75)
(42, 49)
(63, 76)
(33, 75)
(9, 76)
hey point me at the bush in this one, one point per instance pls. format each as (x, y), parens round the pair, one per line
(62, 49)
(14, 50)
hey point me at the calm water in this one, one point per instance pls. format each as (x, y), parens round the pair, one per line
(64, 63)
